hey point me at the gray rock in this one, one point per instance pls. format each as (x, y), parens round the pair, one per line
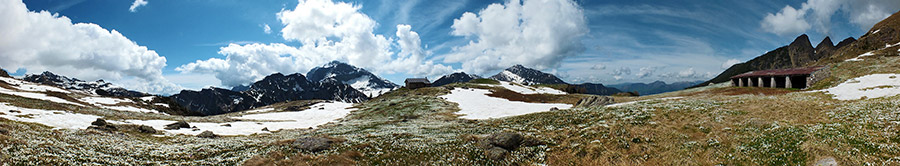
(99, 122)
(506, 140)
(177, 125)
(827, 161)
(207, 134)
(529, 141)
(594, 101)
(313, 144)
(146, 129)
(496, 153)
(4, 131)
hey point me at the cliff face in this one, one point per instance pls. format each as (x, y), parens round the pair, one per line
(799, 53)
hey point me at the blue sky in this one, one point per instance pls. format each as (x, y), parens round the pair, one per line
(596, 41)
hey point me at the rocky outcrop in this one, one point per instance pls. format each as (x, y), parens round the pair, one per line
(3, 73)
(313, 144)
(498, 145)
(594, 101)
(102, 125)
(177, 125)
(207, 134)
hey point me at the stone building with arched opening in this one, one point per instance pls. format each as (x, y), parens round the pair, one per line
(799, 78)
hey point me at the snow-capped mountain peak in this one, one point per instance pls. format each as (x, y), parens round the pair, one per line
(358, 78)
(527, 76)
(98, 87)
(455, 77)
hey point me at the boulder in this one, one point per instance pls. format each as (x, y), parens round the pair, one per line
(506, 140)
(594, 101)
(102, 125)
(146, 129)
(4, 131)
(496, 153)
(313, 144)
(177, 125)
(207, 134)
(3, 73)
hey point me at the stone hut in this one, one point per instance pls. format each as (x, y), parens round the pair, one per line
(416, 83)
(800, 78)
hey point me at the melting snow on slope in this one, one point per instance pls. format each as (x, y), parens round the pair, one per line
(869, 86)
(529, 90)
(56, 119)
(476, 104)
(318, 114)
(29, 86)
(104, 100)
(870, 53)
(39, 96)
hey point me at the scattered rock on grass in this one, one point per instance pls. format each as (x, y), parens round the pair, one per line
(506, 140)
(496, 153)
(177, 125)
(102, 125)
(146, 129)
(313, 144)
(207, 134)
(594, 101)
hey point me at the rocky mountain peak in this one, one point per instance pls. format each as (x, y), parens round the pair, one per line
(801, 41)
(358, 78)
(453, 78)
(3, 73)
(845, 42)
(98, 87)
(523, 75)
(826, 43)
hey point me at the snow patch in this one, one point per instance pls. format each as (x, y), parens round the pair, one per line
(148, 98)
(476, 104)
(39, 96)
(518, 88)
(869, 86)
(104, 101)
(870, 53)
(318, 114)
(52, 118)
(29, 86)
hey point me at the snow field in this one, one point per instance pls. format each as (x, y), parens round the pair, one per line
(476, 104)
(869, 86)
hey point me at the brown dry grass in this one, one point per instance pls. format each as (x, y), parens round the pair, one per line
(534, 98)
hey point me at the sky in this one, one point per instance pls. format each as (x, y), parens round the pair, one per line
(164, 46)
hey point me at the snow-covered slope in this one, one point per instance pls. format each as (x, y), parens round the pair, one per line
(358, 78)
(869, 86)
(476, 104)
(98, 87)
(526, 76)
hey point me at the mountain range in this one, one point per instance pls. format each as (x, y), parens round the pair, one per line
(98, 87)
(799, 53)
(526, 76)
(655, 87)
(454, 77)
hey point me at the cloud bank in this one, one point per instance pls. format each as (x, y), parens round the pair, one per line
(41, 41)
(863, 13)
(534, 33)
(327, 31)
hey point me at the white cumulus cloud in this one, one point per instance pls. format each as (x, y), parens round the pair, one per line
(789, 21)
(729, 63)
(327, 31)
(863, 13)
(41, 41)
(535, 33)
(267, 29)
(136, 4)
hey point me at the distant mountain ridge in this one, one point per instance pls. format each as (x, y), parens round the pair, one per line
(526, 76)
(98, 87)
(272, 89)
(799, 53)
(454, 78)
(655, 87)
(358, 78)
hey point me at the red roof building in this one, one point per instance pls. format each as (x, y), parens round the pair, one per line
(799, 78)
